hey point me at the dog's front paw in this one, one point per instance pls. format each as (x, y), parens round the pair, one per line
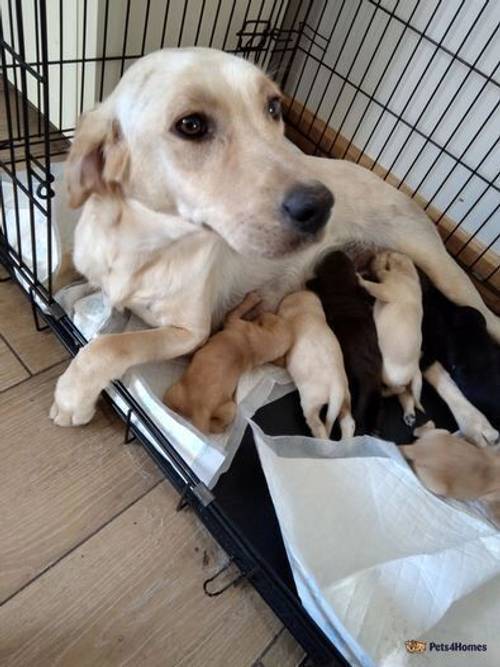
(74, 400)
(479, 431)
(62, 416)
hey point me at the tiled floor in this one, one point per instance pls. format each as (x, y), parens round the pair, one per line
(96, 566)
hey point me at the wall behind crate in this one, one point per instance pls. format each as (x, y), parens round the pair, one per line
(426, 109)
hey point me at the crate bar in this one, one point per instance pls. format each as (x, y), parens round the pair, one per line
(363, 76)
(104, 49)
(11, 150)
(396, 85)
(183, 19)
(27, 150)
(305, 18)
(342, 87)
(318, 64)
(125, 37)
(332, 71)
(12, 39)
(228, 25)
(381, 78)
(84, 48)
(312, 43)
(214, 26)
(428, 38)
(384, 107)
(434, 92)
(445, 111)
(474, 172)
(29, 67)
(164, 28)
(61, 56)
(46, 116)
(410, 98)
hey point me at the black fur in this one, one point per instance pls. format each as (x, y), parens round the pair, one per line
(348, 310)
(457, 337)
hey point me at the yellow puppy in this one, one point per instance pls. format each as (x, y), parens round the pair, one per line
(398, 316)
(450, 466)
(316, 365)
(205, 393)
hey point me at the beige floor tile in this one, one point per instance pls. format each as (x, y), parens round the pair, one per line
(132, 595)
(11, 369)
(38, 350)
(57, 486)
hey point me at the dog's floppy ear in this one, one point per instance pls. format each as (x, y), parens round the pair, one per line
(98, 160)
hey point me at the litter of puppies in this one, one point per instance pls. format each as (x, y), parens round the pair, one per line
(349, 340)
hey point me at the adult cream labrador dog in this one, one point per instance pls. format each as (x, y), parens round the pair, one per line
(193, 197)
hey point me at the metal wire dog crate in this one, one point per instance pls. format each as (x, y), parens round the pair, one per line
(408, 88)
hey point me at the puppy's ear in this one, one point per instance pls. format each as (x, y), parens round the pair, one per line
(98, 160)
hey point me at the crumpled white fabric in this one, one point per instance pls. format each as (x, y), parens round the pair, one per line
(64, 220)
(379, 559)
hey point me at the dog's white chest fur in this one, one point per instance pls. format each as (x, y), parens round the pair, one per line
(168, 271)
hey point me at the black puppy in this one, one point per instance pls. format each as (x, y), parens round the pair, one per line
(456, 336)
(348, 310)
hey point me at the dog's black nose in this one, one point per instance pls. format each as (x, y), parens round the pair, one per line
(307, 207)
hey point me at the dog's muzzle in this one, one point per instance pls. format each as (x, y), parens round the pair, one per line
(307, 208)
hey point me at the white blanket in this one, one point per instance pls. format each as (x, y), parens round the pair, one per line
(377, 557)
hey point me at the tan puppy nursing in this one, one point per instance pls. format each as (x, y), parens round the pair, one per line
(450, 466)
(398, 316)
(205, 393)
(316, 365)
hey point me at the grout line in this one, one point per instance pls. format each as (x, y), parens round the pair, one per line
(79, 544)
(2, 337)
(33, 375)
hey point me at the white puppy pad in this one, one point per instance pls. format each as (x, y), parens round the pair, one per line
(378, 558)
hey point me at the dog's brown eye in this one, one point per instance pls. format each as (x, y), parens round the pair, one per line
(274, 108)
(194, 126)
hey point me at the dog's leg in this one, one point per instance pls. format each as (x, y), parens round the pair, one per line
(107, 358)
(347, 423)
(471, 422)
(423, 244)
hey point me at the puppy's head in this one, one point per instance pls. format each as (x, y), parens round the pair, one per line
(203, 134)
(336, 271)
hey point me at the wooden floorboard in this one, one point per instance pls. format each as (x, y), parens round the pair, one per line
(38, 350)
(132, 595)
(57, 486)
(11, 369)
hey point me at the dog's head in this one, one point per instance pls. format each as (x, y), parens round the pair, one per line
(200, 132)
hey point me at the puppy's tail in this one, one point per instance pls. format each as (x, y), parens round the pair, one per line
(339, 407)
(416, 389)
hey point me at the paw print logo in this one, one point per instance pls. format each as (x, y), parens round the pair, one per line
(415, 646)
